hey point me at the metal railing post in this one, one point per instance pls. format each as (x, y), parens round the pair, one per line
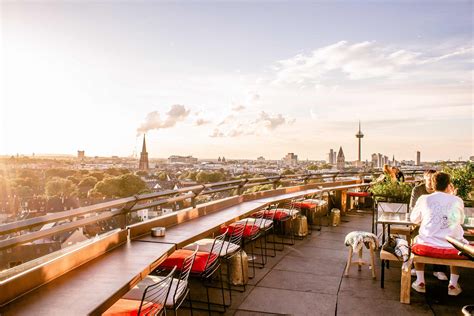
(196, 193)
(241, 186)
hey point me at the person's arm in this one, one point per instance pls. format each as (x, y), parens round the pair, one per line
(462, 215)
(415, 215)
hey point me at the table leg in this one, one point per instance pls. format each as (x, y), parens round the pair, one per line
(383, 234)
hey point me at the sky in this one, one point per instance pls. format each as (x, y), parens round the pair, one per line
(237, 79)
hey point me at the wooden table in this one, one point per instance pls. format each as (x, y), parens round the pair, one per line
(93, 287)
(195, 229)
(390, 218)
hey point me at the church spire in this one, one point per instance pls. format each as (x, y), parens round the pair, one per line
(144, 145)
(143, 164)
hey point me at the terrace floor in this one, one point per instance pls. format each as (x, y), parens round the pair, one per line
(307, 279)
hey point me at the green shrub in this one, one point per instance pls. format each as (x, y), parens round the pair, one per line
(395, 191)
(461, 178)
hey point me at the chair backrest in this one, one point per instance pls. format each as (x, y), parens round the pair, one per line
(259, 219)
(287, 204)
(155, 295)
(237, 233)
(270, 212)
(385, 207)
(212, 262)
(184, 273)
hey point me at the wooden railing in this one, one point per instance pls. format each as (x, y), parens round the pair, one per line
(24, 231)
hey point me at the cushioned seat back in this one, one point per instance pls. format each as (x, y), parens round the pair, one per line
(177, 259)
(205, 245)
(249, 229)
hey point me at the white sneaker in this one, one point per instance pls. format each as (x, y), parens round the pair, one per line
(420, 288)
(413, 272)
(454, 290)
(441, 276)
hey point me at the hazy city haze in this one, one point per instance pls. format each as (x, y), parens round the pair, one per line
(237, 79)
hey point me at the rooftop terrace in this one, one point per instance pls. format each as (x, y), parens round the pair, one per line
(307, 279)
(304, 279)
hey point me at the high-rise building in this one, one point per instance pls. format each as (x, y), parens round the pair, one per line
(341, 161)
(375, 160)
(143, 164)
(359, 136)
(80, 154)
(290, 159)
(380, 160)
(331, 157)
(418, 158)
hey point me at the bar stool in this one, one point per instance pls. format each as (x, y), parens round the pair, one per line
(355, 241)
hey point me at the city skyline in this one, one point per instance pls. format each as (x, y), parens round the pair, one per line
(287, 82)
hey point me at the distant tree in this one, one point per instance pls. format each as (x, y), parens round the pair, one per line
(259, 188)
(24, 192)
(60, 173)
(74, 179)
(5, 187)
(117, 171)
(60, 187)
(209, 177)
(99, 175)
(312, 167)
(326, 166)
(287, 172)
(32, 181)
(120, 186)
(86, 185)
(191, 175)
(162, 176)
(141, 173)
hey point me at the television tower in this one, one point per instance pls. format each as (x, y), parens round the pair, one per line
(359, 135)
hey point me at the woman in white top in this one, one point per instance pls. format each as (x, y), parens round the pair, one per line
(439, 214)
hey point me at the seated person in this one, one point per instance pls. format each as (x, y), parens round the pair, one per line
(423, 188)
(439, 214)
(419, 190)
(398, 174)
(388, 175)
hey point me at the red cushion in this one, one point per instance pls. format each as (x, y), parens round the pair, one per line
(436, 252)
(249, 230)
(304, 204)
(279, 214)
(177, 259)
(124, 307)
(358, 194)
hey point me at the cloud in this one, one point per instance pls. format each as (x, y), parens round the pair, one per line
(201, 122)
(244, 125)
(238, 108)
(364, 60)
(154, 120)
(270, 121)
(216, 133)
(228, 119)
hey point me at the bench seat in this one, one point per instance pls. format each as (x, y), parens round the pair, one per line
(406, 275)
